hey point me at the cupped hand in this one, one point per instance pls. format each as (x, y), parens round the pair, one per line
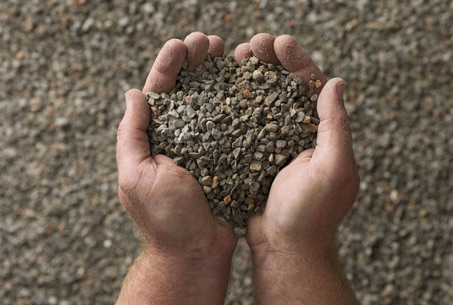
(166, 203)
(310, 196)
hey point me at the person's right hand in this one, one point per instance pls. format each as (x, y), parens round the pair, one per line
(293, 240)
(187, 254)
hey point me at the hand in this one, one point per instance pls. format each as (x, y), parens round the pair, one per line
(295, 235)
(182, 241)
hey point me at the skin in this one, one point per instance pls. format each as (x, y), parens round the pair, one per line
(216, 46)
(187, 255)
(262, 45)
(197, 47)
(293, 241)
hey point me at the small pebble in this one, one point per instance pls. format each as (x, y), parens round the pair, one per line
(221, 221)
(240, 231)
(258, 76)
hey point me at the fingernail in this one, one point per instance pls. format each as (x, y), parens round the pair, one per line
(128, 99)
(340, 89)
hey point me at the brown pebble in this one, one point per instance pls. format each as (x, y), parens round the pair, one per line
(314, 127)
(250, 207)
(311, 84)
(306, 119)
(249, 201)
(265, 182)
(255, 166)
(318, 83)
(227, 199)
(215, 182)
(155, 111)
(247, 94)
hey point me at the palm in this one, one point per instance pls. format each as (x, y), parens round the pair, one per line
(303, 202)
(165, 201)
(287, 206)
(177, 213)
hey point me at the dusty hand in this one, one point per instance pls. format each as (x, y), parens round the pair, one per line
(164, 200)
(310, 196)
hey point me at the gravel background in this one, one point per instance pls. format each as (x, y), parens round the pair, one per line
(64, 66)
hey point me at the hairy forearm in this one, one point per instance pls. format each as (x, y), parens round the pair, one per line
(283, 278)
(157, 280)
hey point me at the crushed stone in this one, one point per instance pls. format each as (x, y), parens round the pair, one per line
(233, 129)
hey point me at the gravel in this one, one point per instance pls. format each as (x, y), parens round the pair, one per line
(193, 124)
(65, 65)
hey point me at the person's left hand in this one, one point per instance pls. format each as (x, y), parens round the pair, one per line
(293, 240)
(166, 203)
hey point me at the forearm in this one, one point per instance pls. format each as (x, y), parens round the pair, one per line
(156, 280)
(301, 279)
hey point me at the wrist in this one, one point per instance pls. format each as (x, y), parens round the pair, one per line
(158, 279)
(301, 277)
(286, 258)
(202, 265)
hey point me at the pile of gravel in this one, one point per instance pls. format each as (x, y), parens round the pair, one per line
(233, 128)
(64, 68)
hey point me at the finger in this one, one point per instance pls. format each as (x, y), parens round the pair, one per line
(334, 141)
(162, 77)
(262, 46)
(133, 148)
(197, 47)
(216, 46)
(242, 51)
(296, 60)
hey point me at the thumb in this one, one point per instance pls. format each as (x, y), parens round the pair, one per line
(334, 141)
(132, 140)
